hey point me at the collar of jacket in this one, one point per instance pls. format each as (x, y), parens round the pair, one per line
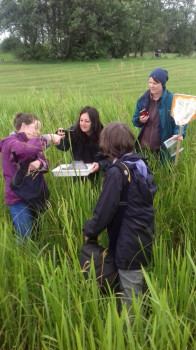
(21, 136)
(144, 99)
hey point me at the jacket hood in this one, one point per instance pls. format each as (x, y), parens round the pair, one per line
(146, 185)
(2, 142)
(135, 158)
(21, 136)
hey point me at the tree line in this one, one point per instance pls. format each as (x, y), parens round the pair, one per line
(89, 29)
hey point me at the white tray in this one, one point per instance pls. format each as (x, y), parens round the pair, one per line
(62, 170)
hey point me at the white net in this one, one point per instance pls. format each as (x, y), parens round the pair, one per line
(184, 110)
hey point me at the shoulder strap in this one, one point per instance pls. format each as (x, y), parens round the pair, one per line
(124, 170)
(15, 158)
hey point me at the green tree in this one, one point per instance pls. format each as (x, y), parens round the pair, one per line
(180, 27)
(90, 29)
(10, 44)
(100, 29)
(23, 19)
(146, 23)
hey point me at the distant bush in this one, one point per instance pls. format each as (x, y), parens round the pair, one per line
(38, 52)
(88, 51)
(10, 44)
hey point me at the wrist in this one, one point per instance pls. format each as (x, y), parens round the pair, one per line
(40, 163)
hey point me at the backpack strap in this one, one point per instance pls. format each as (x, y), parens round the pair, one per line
(117, 220)
(125, 172)
(15, 158)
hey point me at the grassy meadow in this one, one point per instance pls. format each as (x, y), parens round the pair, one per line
(44, 301)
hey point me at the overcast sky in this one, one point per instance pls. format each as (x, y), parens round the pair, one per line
(4, 35)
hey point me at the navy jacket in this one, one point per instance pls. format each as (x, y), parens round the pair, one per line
(128, 214)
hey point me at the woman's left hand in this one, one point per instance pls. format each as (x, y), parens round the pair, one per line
(34, 166)
(177, 137)
(95, 167)
(56, 139)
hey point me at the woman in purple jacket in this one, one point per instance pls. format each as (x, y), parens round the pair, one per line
(25, 145)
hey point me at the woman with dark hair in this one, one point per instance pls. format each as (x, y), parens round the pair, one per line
(83, 139)
(23, 148)
(125, 208)
(153, 115)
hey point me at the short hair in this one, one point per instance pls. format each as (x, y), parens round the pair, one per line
(116, 139)
(156, 80)
(26, 118)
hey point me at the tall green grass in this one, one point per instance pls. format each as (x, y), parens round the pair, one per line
(45, 303)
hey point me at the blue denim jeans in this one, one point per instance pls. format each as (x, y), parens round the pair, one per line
(22, 218)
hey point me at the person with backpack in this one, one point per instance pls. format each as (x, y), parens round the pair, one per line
(125, 208)
(153, 116)
(23, 167)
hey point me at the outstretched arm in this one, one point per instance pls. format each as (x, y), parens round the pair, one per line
(30, 149)
(107, 204)
(64, 144)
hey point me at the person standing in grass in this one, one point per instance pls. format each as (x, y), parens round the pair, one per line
(153, 115)
(83, 140)
(125, 208)
(23, 148)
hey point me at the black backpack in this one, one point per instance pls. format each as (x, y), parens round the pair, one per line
(103, 259)
(147, 187)
(31, 188)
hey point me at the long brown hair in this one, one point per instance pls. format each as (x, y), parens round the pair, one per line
(96, 125)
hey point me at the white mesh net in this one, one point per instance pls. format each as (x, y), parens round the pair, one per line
(184, 110)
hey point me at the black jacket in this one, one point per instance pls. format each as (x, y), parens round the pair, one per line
(128, 215)
(83, 148)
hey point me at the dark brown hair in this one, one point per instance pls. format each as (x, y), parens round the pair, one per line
(116, 139)
(156, 80)
(96, 125)
(26, 118)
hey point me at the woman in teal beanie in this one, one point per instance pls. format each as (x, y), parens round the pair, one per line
(153, 115)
